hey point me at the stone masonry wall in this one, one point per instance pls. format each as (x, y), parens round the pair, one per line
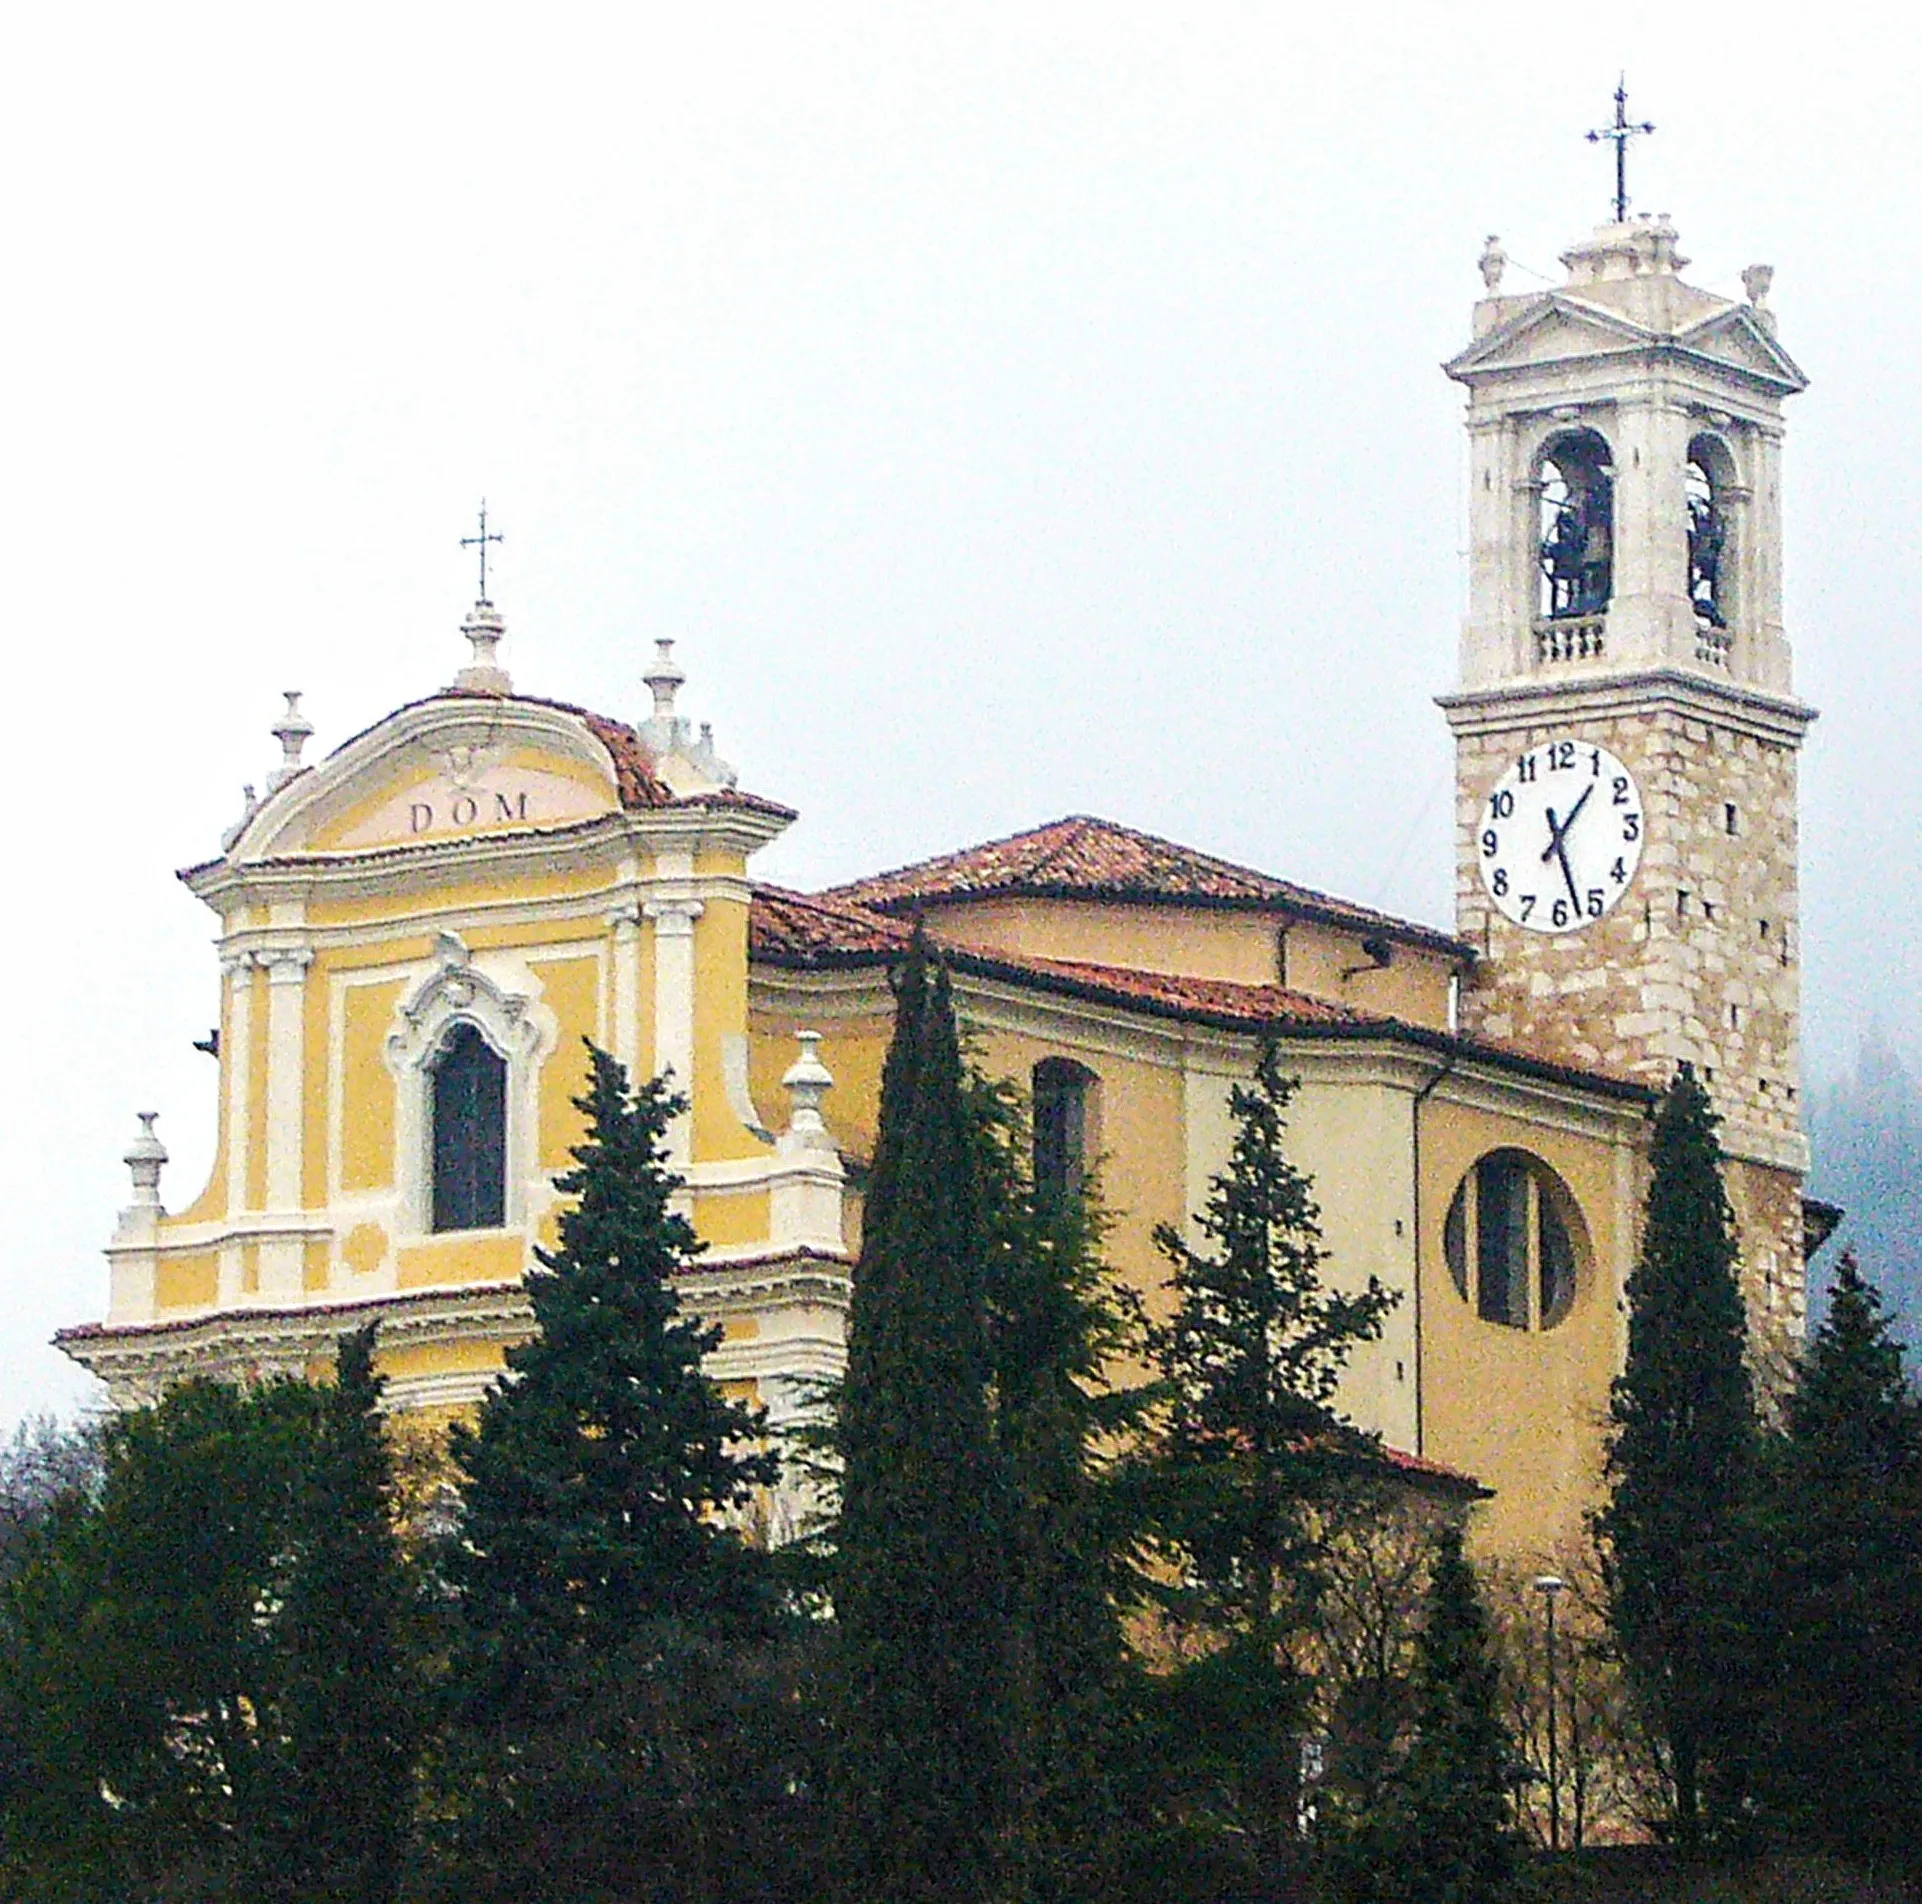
(1698, 961)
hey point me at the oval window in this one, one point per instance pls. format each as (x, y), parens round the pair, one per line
(1510, 1241)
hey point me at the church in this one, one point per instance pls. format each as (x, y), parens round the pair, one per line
(416, 933)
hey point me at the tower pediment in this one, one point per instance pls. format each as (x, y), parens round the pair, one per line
(1560, 331)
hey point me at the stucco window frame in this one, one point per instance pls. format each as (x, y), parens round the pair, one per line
(457, 993)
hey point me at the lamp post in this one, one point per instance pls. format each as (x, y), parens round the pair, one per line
(1548, 1585)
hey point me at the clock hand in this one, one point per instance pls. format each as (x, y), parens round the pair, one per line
(1557, 834)
(1555, 848)
(1561, 853)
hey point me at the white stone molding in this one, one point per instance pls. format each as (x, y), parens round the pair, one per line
(740, 1089)
(286, 966)
(673, 921)
(457, 991)
(807, 1184)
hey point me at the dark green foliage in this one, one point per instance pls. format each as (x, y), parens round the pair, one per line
(1056, 1320)
(206, 1670)
(1680, 1461)
(1836, 1607)
(1254, 1446)
(349, 1656)
(920, 1549)
(1441, 1830)
(597, 1585)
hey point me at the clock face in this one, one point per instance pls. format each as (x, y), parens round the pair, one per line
(1560, 836)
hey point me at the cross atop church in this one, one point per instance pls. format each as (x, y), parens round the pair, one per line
(480, 542)
(1617, 135)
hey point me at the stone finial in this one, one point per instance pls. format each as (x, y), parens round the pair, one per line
(664, 681)
(807, 1081)
(484, 628)
(144, 1158)
(1756, 281)
(1492, 263)
(293, 730)
(687, 764)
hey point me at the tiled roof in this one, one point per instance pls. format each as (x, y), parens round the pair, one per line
(1083, 857)
(821, 931)
(790, 928)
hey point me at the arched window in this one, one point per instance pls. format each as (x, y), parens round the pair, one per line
(469, 1118)
(1577, 526)
(1708, 482)
(1510, 1240)
(1063, 1115)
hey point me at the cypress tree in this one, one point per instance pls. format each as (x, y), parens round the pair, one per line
(1252, 1358)
(1679, 1462)
(1838, 1565)
(918, 1571)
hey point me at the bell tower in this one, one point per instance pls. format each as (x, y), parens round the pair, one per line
(1626, 728)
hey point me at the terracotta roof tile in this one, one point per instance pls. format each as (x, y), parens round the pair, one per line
(1083, 857)
(791, 928)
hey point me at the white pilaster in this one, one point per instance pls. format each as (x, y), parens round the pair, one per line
(624, 922)
(673, 921)
(282, 1264)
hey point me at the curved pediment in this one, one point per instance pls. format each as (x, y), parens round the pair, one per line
(456, 766)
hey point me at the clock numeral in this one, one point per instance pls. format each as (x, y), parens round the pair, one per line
(1558, 913)
(1595, 906)
(1525, 770)
(1500, 882)
(1489, 844)
(1621, 790)
(1561, 756)
(1502, 805)
(1618, 873)
(1528, 905)
(1631, 826)
(1595, 763)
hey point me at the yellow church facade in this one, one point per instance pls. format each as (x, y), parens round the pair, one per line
(417, 933)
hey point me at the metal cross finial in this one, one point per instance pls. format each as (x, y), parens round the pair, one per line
(1619, 135)
(481, 541)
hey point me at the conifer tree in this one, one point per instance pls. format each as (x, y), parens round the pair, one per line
(1252, 1358)
(606, 1611)
(351, 1708)
(1056, 1322)
(600, 1475)
(1837, 1567)
(1443, 1832)
(1680, 1461)
(919, 1580)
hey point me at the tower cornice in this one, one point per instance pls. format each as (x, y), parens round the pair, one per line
(1561, 699)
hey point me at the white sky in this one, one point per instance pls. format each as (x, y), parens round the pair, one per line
(1014, 410)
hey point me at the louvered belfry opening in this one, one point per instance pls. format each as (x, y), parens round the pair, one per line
(470, 1133)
